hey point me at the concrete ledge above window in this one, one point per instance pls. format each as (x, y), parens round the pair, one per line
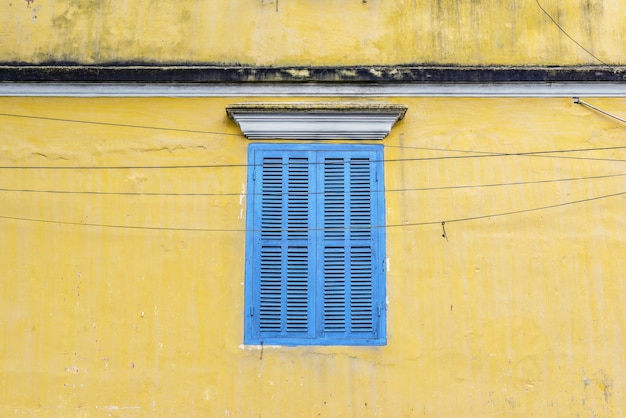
(316, 121)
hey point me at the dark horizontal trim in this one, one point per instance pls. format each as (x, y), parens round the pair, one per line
(354, 74)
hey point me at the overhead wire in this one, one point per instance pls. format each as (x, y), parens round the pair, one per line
(515, 212)
(239, 194)
(482, 154)
(405, 224)
(121, 125)
(558, 25)
(492, 153)
(487, 153)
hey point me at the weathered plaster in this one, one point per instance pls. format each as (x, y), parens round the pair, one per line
(516, 315)
(304, 33)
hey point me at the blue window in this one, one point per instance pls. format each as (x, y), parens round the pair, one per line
(315, 255)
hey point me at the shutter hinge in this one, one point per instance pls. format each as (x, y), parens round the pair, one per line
(251, 310)
(380, 310)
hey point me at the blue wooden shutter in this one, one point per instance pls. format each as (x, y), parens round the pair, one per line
(351, 298)
(296, 190)
(334, 250)
(362, 304)
(282, 257)
(315, 245)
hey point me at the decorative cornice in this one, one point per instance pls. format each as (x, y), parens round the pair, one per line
(316, 121)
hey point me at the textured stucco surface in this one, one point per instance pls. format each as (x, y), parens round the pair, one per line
(519, 315)
(313, 32)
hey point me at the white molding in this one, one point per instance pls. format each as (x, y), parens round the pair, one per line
(576, 89)
(316, 121)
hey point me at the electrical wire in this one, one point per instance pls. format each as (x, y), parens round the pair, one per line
(492, 153)
(157, 228)
(515, 212)
(569, 36)
(120, 125)
(240, 194)
(483, 154)
(406, 224)
(579, 158)
(488, 153)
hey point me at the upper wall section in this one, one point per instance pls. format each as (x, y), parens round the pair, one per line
(314, 32)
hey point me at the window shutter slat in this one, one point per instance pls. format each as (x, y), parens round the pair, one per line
(297, 289)
(361, 295)
(270, 295)
(334, 199)
(360, 199)
(334, 289)
(271, 198)
(298, 199)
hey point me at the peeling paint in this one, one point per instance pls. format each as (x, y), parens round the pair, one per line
(298, 73)
(117, 408)
(72, 369)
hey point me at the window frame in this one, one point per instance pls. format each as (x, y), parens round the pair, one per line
(316, 334)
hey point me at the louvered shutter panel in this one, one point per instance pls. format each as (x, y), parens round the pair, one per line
(349, 303)
(361, 246)
(335, 276)
(282, 225)
(298, 249)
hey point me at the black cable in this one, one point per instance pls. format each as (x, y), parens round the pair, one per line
(121, 125)
(568, 35)
(493, 215)
(491, 153)
(158, 228)
(484, 154)
(536, 209)
(239, 194)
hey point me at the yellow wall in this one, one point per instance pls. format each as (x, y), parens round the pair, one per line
(511, 316)
(313, 32)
